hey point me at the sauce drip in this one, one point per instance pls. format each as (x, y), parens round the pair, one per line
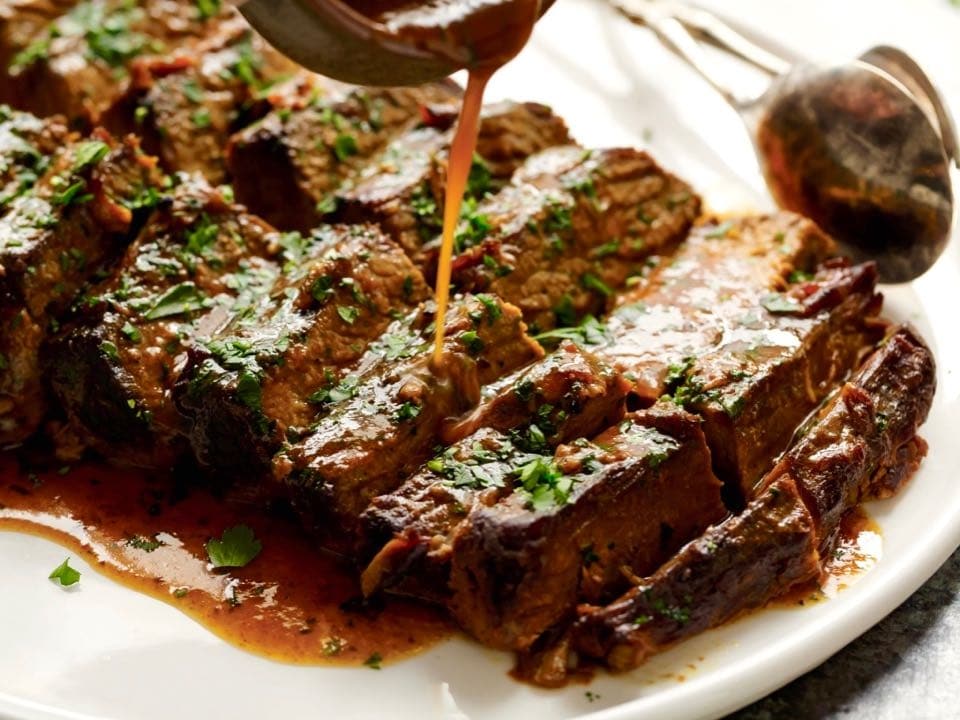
(491, 52)
(482, 36)
(291, 603)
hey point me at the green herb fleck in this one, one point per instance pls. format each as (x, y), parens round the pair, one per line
(235, 548)
(178, 300)
(110, 350)
(348, 313)
(88, 154)
(472, 342)
(780, 304)
(141, 543)
(65, 575)
(373, 662)
(592, 282)
(344, 146)
(407, 411)
(201, 118)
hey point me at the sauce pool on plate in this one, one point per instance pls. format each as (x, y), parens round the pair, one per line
(291, 602)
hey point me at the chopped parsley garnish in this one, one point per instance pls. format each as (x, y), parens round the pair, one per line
(609, 248)
(544, 484)
(333, 646)
(524, 390)
(491, 307)
(201, 118)
(327, 205)
(473, 231)
(178, 300)
(472, 342)
(208, 8)
(65, 575)
(110, 350)
(348, 313)
(235, 548)
(798, 276)
(202, 236)
(345, 146)
(590, 331)
(780, 304)
(592, 282)
(34, 52)
(322, 288)
(479, 179)
(559, 218)
(192, 91)
(249, 391)
(344, 390)
(407, 411)
(72, 195)
(373, 662)
(719, 231)
(564, 312)
(141, 543)
(88, 154)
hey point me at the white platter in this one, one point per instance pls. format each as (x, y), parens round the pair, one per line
(106, 652)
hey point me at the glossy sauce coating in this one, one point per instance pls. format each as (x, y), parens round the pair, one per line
(291, 603)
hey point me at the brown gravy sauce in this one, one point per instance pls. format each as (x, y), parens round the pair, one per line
(291, 603)
(481, 36)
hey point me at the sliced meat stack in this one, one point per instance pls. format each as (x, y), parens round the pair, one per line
(402, 188)
(288, 166)
(197, 262)
(641, 421)
(387, 421)
(267, 374)
(862, 443)
(55, 237)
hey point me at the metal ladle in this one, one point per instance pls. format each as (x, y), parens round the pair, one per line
(864, 148)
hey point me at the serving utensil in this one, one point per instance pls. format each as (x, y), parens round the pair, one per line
(331, 38)
(865, 148)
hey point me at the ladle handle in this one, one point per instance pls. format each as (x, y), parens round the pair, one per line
(674, 25)
(721, 35)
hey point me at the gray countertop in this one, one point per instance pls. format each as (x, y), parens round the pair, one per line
(905, 668)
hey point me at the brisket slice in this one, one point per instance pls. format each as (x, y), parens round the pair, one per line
(27, 147)
(21, 26)
(83, 56)
(578, 521)
(682, 306)
(570, 229)
(847, 451)
(402, 189)
(197, 261)
(53, 239)
(186, 107)
(770, 371)
(567, 395)
(386, 423)
(266, 375)
(744, 330)
(287, 166)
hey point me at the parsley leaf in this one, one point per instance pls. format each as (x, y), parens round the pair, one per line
(780, 304)
(235, 548)
(89, 153)
(348, 313)
(373, 662)
(65, 575)
(590, 331)
(208, 8)
(180, 299)
(344, 146)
